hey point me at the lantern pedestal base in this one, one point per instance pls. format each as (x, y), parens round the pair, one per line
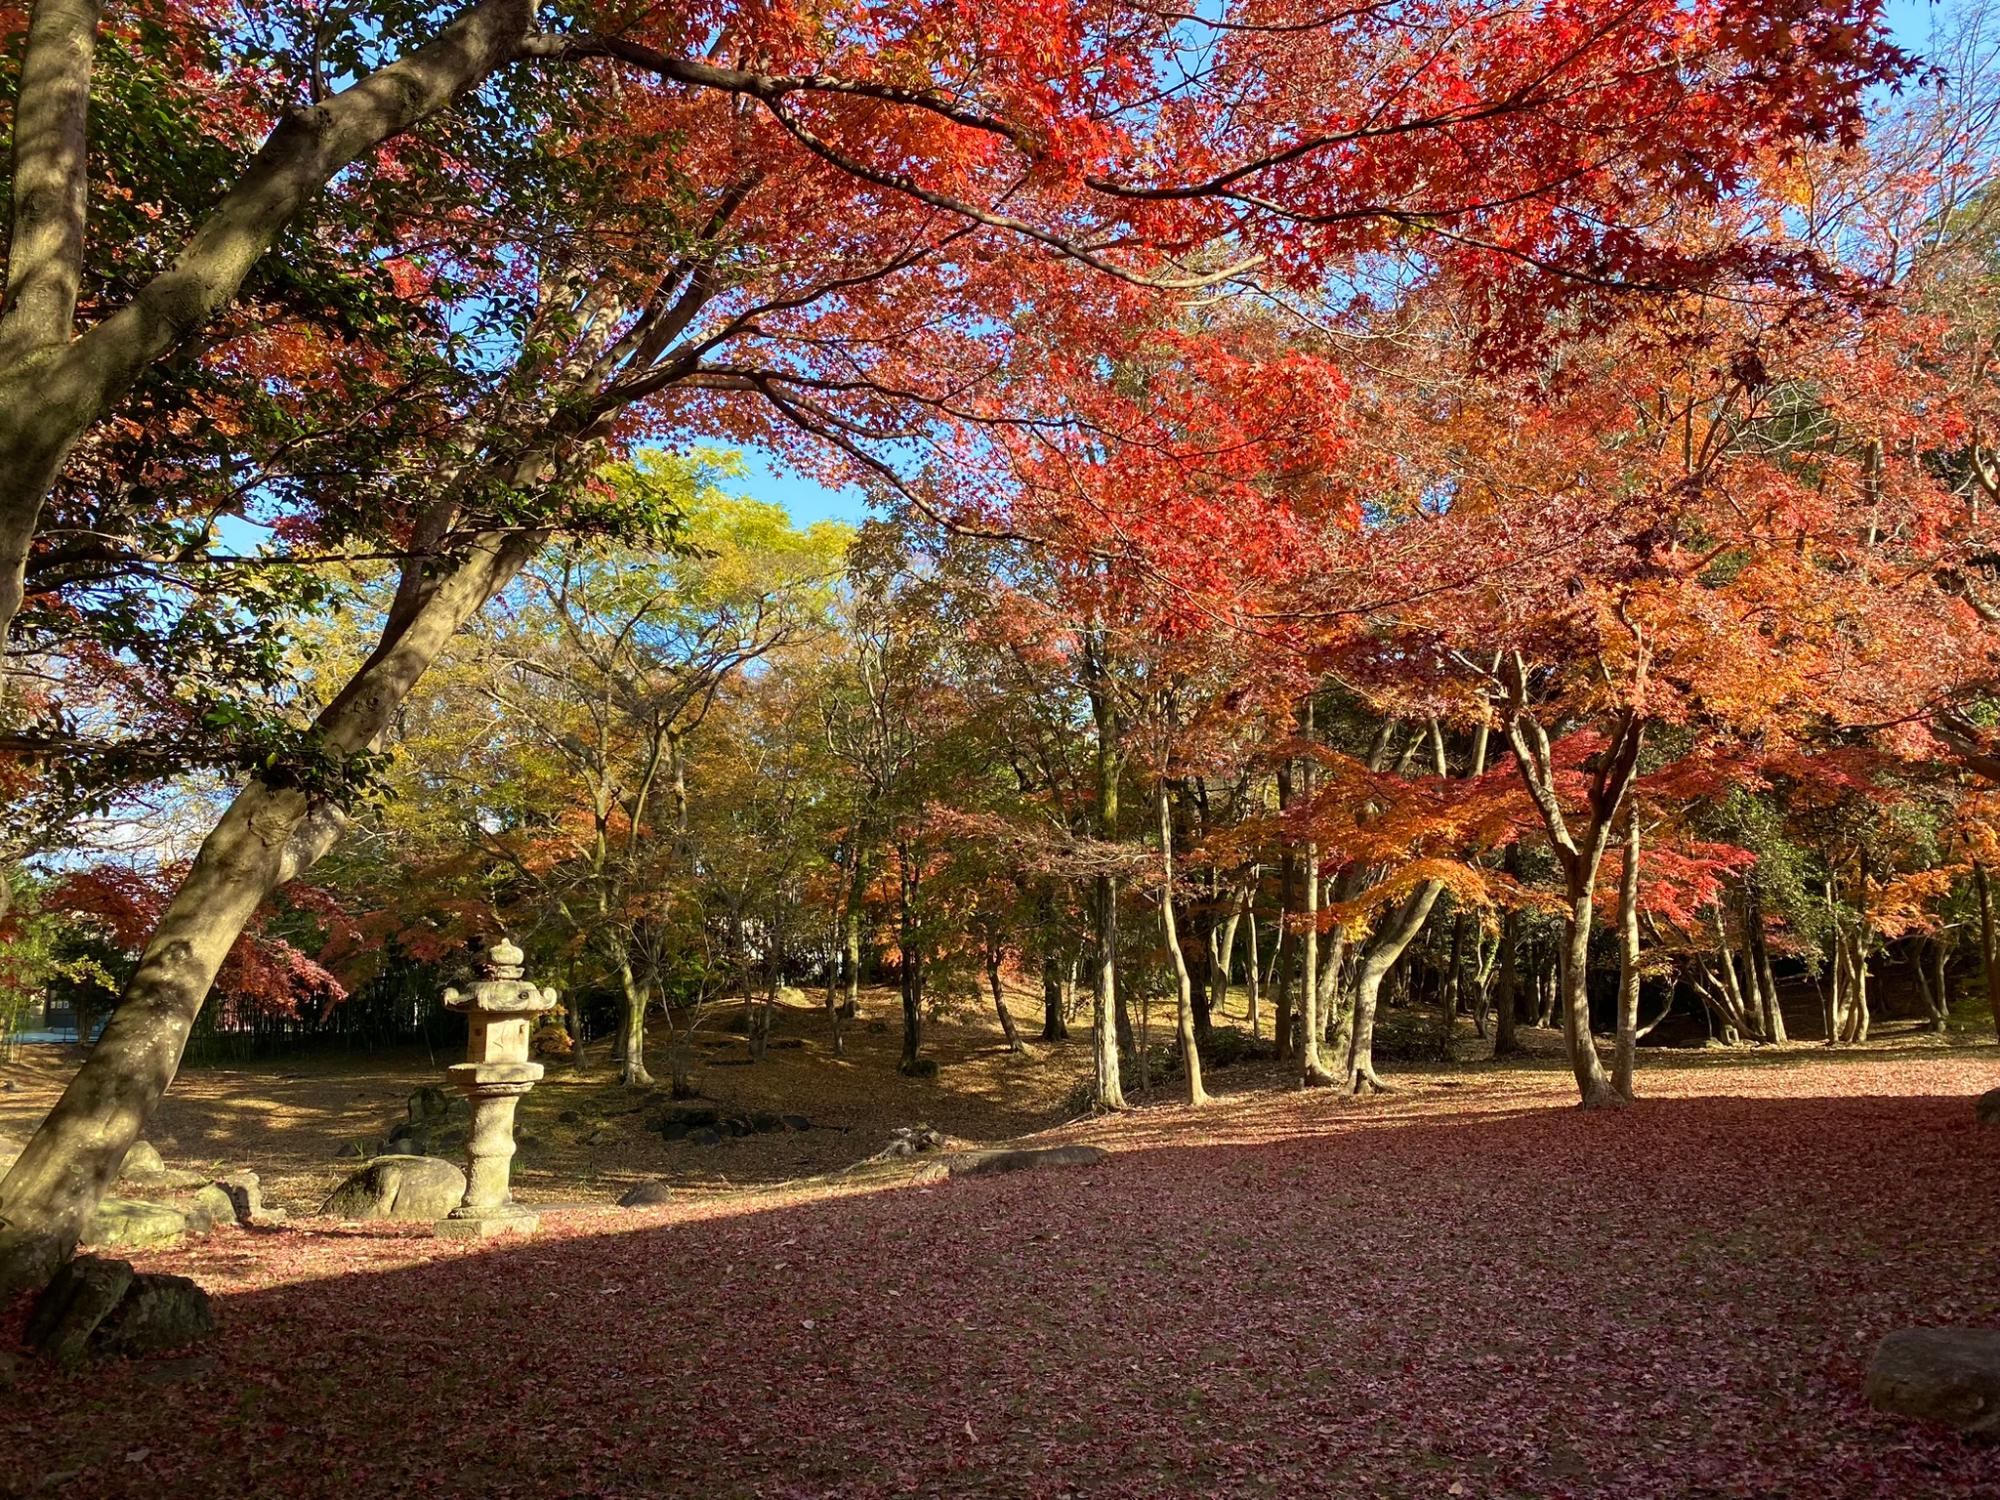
(487, 1224)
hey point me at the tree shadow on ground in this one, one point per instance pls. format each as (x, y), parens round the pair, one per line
(1678, 1299)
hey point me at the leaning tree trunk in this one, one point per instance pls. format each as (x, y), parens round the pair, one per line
(55, 387)
(1007, 1027)
(270, 834)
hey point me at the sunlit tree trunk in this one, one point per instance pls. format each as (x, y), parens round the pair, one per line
(1378, 956)
(1109, 1092)
(1184, 1006)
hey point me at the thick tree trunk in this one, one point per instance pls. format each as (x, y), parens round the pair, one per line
(1378, 957)
(1625, 1047)
(268, 836)
(1592, 1082)
(632, 1031)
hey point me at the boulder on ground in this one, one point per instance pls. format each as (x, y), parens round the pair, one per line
(133, 1223)
(647, 1195)
(1948, 1375)
(1986, 1109)
(70, 1307)
(142, 1162)
(212, 1209)
(406, 1188)
(157, 1312)
(987, 1163)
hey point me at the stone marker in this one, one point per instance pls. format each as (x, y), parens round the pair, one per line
(500, 1014)
(1949, 1375)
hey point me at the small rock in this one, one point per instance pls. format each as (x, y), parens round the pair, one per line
(673, 1130)
(428, 1103)
(404, 1188)
(706, 1136)
(133, 1223)
(1986, 1110)
(246, 1195)
(71, 1306)
(569, 1117)
(213, 1208)
(764, 1122)
(795, 1122)
(156, 1312)
(597, 1137)
(142, 1163)
(1948, 1375)
(647, 1195)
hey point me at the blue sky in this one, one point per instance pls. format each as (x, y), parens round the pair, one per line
(806, 501)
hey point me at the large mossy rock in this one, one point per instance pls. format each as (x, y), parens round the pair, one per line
(157, 1312)
(1948, 1375)
(405, 1188)
(96, 1307)
(134, 1223)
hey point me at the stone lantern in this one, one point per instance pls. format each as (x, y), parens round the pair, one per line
(500, 1013)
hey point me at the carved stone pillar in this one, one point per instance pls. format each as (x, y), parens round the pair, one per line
(500, 1013)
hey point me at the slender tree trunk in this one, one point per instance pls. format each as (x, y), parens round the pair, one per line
(268, 836)
(1184, 1004)
(1767, 983)
(1989, 943)
(1054, 1027)
(1007, 1027)
(1256, 975)
(1623, 1057)
(1110, 1008)
(1506, 997)
(913, 964)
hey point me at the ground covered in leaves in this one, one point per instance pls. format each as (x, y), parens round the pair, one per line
(1464, 1289)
